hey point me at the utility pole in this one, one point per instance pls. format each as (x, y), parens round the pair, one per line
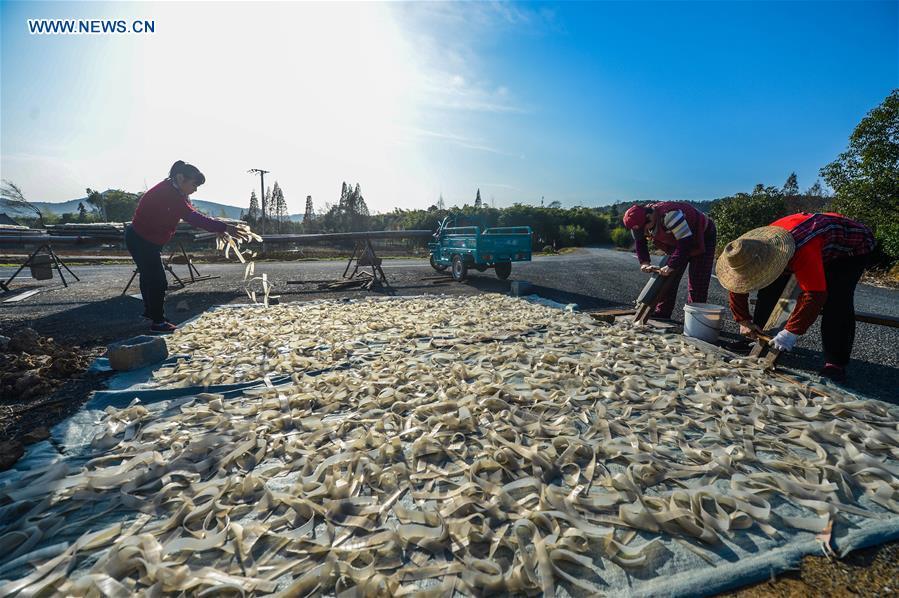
(262, 174)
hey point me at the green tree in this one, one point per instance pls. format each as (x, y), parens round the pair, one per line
(622, 237)
(11, 196)
(743, 212)
(865, 177)
(572, 235)
(815, 190)
(357, 209)
(114, 205)
(350, 214)
(282, 205)
(253, 211)
(278, 205)
(82, 212)
(477, 200)
(791, 187)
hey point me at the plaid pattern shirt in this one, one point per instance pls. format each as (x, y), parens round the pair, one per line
(841, 236)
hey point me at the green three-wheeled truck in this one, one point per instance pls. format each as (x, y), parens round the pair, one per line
(464, 247)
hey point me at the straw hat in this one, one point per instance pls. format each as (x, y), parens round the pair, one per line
(755, 260)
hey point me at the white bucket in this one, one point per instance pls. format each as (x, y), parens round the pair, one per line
(703, 321)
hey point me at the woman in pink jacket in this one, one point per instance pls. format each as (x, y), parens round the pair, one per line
(687, 235)
(155, 220)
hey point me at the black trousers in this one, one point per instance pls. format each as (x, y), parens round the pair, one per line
(153, 281)
(838, 316)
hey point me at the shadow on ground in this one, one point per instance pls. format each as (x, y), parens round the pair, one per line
(108, 320)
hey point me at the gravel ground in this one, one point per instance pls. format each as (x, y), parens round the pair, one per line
(93, 313)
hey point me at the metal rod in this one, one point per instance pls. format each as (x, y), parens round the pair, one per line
(353, 236)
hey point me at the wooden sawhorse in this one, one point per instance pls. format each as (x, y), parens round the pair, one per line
(195, 275)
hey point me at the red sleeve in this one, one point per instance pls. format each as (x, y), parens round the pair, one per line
(641, 247)
(739, 306)
(808, 306)
(681, 253)
(194, 218)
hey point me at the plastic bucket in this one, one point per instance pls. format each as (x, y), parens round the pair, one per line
(40, 267)
(703, 321)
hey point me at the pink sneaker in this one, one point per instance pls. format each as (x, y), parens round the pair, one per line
(163, 327)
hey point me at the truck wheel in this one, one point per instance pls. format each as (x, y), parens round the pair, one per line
(460, 268)
(436, 266)
(503, 269)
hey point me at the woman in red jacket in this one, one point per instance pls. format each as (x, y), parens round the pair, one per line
(157, 215)
(687, 235)
(827, 253)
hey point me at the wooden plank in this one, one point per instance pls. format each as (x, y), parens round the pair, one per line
(613, 312)
(652, 289)
(22, 296)
(784, 306)
(764, 350)
(880, 320)
(652, 292)
(609, 315)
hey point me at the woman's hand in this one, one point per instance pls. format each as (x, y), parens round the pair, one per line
(784, 341)
(237, 232)
(648, 268)
(666, 271)
(749, 328)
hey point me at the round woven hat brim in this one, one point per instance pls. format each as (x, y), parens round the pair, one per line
(777, 251)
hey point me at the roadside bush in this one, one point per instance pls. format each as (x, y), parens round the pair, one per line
(572, 235)
(622, 237)
(743, 212)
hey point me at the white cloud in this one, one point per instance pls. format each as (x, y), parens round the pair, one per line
(460, 140)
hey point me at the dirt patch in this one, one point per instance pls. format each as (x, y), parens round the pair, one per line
(883, 278)
(32, 366)
(41, 383)
(867, 572)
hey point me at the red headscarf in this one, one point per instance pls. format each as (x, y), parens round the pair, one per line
(635, 218)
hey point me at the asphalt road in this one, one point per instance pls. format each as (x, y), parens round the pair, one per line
(93, 311)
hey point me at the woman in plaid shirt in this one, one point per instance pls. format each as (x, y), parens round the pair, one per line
(827, 253)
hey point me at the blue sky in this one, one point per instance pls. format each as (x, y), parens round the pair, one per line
(584, 103)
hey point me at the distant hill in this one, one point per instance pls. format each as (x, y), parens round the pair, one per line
(210, 208)
(64, 207)
(622, 206)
